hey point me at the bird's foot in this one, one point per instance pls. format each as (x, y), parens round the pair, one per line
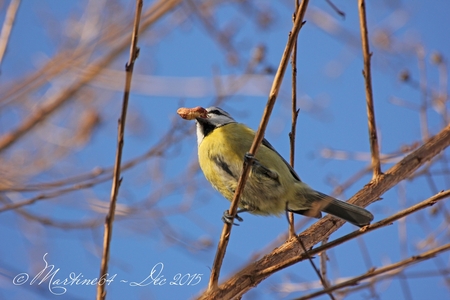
(227, 218)
(248, 158)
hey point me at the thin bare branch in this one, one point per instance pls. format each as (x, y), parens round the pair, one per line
(53, 194)
(324, 265)
(423, 93)
(7, 27)
(319, 274)
(335, 8)
(373, 139)
(294, 117)
(441, 99)
(295, 112)
(225, 236)
(134, 52)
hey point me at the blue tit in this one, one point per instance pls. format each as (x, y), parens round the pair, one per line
(273, 186)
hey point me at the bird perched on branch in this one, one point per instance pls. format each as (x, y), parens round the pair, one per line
(273, 186)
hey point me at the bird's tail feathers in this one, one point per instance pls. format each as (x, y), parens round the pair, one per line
(351, 213)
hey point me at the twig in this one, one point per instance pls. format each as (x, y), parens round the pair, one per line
(423, 93)
(52, 194)
(86, 224)
(322, 279)
(7, 26)
(440, 101)
(364, 253)
(374, 272)
(403, 283)
(224, 238)
(335, 8)
(134, 51)
(257, 271)
(323, 264)
(295, 112)
(374, 147)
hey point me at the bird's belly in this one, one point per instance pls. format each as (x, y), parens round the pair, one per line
(260, 197)
(264, 198)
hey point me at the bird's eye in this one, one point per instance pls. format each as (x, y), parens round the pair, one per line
(216, 112)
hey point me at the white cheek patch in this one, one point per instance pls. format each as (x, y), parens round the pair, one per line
(200, 134)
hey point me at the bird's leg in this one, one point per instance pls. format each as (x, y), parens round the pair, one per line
(227, 218)
(290, 219)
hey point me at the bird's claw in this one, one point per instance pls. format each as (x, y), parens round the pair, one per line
(227, 218)
(248, 157)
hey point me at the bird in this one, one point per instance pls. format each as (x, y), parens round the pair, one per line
(273, 187)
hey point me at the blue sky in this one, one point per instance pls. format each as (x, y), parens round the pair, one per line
(179, 65)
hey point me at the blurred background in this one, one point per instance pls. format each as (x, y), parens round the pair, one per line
(61, 88)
